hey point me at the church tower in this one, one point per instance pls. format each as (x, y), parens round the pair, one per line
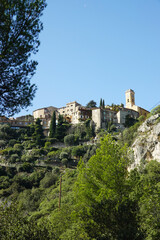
(130, 98)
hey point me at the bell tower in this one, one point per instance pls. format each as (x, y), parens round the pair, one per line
(130, 98)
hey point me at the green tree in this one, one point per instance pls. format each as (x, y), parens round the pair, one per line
(20, 26)
(61, 128)
(129, 121)
(102, 194)
(110, 127)
(147, 192)
(71, 140)
(38, 134)
(91, 104)
(103, 104)
(14, 226)
(100, 105)
(89, 127)
(52, 129)
(6, 132)
(78, 151)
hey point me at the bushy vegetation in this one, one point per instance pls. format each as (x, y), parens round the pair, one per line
(130, 133)
(100, 199)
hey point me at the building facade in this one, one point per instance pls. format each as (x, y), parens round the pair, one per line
(75, 113)
(122, 113)
(101, 117)
(45, 115)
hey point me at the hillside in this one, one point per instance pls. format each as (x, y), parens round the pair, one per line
(98, 199)
(146, 146)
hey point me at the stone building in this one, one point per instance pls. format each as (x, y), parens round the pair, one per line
(19, 122)
(45, 115)
(101, 117)
(122, 113)
(75, 112)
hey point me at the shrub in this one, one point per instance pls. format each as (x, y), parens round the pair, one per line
(53, 154)
(56, 170)
(48, 180)
(2, 171)
(52, 140)
(28, 158)
(64, 155)
(4, 182)
(26, 167)
(155, 110)
(78, 151)
(36, 177)
(14, 158)
(2, 143)
(47, 145)
(65, 161)
(12, 142)
(18, 146)
(71, 140)
(28, 145)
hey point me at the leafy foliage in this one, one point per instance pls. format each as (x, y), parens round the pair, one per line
(71, 140)
(14, 226)
(91, 104)
(38, 134)
(155, 110)
(102, 192)
(20, 28)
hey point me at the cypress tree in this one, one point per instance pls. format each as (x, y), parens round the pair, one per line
(60, 129)
(52, 129)
(100, 103)
(103, 104)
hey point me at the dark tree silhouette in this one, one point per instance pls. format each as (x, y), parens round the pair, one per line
(91, 104)
(52, 129)
(20, 26)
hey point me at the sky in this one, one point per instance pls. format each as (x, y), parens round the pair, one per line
(92, 49)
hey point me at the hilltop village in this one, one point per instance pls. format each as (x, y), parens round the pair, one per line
(77, 181)
(75, 113)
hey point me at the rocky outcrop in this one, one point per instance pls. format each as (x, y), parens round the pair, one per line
(147, 143)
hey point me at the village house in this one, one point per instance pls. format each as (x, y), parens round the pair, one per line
(45, 115)
(75, 113)
(19, 122)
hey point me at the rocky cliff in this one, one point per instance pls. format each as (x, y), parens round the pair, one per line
(147, 143)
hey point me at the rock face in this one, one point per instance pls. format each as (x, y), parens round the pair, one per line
(147, 143)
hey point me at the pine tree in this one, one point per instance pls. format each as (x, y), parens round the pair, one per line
(20, 26)
(52, 129)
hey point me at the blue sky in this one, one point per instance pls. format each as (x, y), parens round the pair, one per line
(92, 49)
